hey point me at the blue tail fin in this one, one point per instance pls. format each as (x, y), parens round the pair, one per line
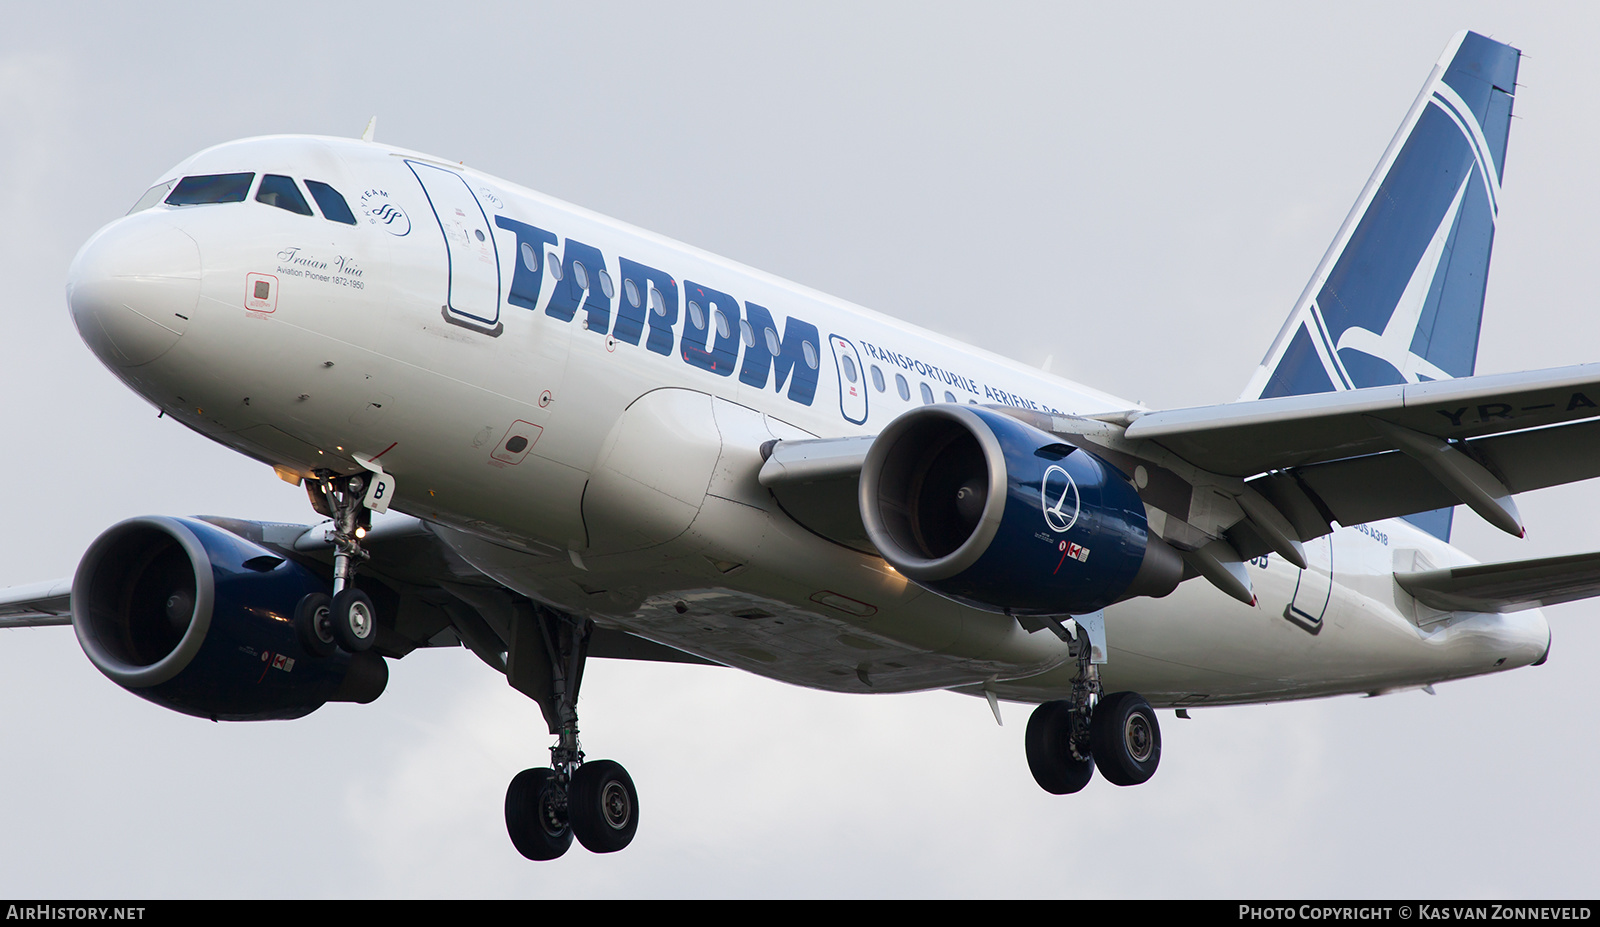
(1398, 298)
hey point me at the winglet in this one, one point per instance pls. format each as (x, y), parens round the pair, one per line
(372, 127)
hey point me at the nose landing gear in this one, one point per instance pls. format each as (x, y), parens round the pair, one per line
(352, 619)
(349, 619)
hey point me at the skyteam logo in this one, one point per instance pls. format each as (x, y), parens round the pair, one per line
(379, 211)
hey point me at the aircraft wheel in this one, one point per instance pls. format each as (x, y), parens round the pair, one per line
(1125, 738)
(1049, 747)
(354, 620)
(311, 622)
(535, 819)
(603, 806)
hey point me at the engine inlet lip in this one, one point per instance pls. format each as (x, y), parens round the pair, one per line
(103, 654)
(919, 568)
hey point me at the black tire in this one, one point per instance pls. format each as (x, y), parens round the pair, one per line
(535, 820)
(1125, 738)
(1049, 747)
(603, 806)
(354, 620)
(312, 623)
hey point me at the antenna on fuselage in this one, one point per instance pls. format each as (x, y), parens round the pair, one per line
(372, 126)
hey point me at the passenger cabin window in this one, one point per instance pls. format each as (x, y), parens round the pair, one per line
(901, 387)
(330, 202)
(152, 196)
(210, 188)
(927, 395)
(280, 191)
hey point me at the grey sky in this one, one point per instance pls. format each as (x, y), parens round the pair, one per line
(1139, 191)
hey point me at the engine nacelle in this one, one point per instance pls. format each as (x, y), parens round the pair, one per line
(200, 620)
(994, 513)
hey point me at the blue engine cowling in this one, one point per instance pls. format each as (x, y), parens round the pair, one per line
(989, 511)
(200, 620)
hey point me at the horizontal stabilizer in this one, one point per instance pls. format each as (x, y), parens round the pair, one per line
(1506, 587)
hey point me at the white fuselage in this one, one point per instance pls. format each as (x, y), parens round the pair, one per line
(607, 464)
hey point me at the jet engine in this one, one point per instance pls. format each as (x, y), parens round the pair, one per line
(994, 513)
(199, 620)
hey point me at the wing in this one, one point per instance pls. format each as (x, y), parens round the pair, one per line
(1226, 483)
(1361, 455)
(438, 599)
(36, 605)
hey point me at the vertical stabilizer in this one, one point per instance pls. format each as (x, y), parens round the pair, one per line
(1398, 298)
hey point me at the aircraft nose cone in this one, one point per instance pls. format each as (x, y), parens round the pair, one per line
(132, 289)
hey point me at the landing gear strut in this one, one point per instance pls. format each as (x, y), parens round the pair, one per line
(349, 619)
(351, 614)
(1068, 738)
(594, 801)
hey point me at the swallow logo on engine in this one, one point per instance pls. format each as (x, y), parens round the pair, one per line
(1058, 499)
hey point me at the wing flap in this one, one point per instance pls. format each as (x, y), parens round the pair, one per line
(1358, 490)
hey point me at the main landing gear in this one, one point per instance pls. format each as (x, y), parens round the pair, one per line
(1068, 738)
(546, 807)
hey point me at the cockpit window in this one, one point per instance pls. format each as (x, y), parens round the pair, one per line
(152, 196)
(278, 190)
(211, 188)
(333, 205)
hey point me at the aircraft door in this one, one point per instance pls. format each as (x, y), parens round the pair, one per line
(1314, 587)
(473, 266)
(852, 380)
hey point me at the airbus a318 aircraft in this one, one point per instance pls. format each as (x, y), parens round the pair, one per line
(585, 440)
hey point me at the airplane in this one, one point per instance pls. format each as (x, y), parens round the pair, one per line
(609, 444)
